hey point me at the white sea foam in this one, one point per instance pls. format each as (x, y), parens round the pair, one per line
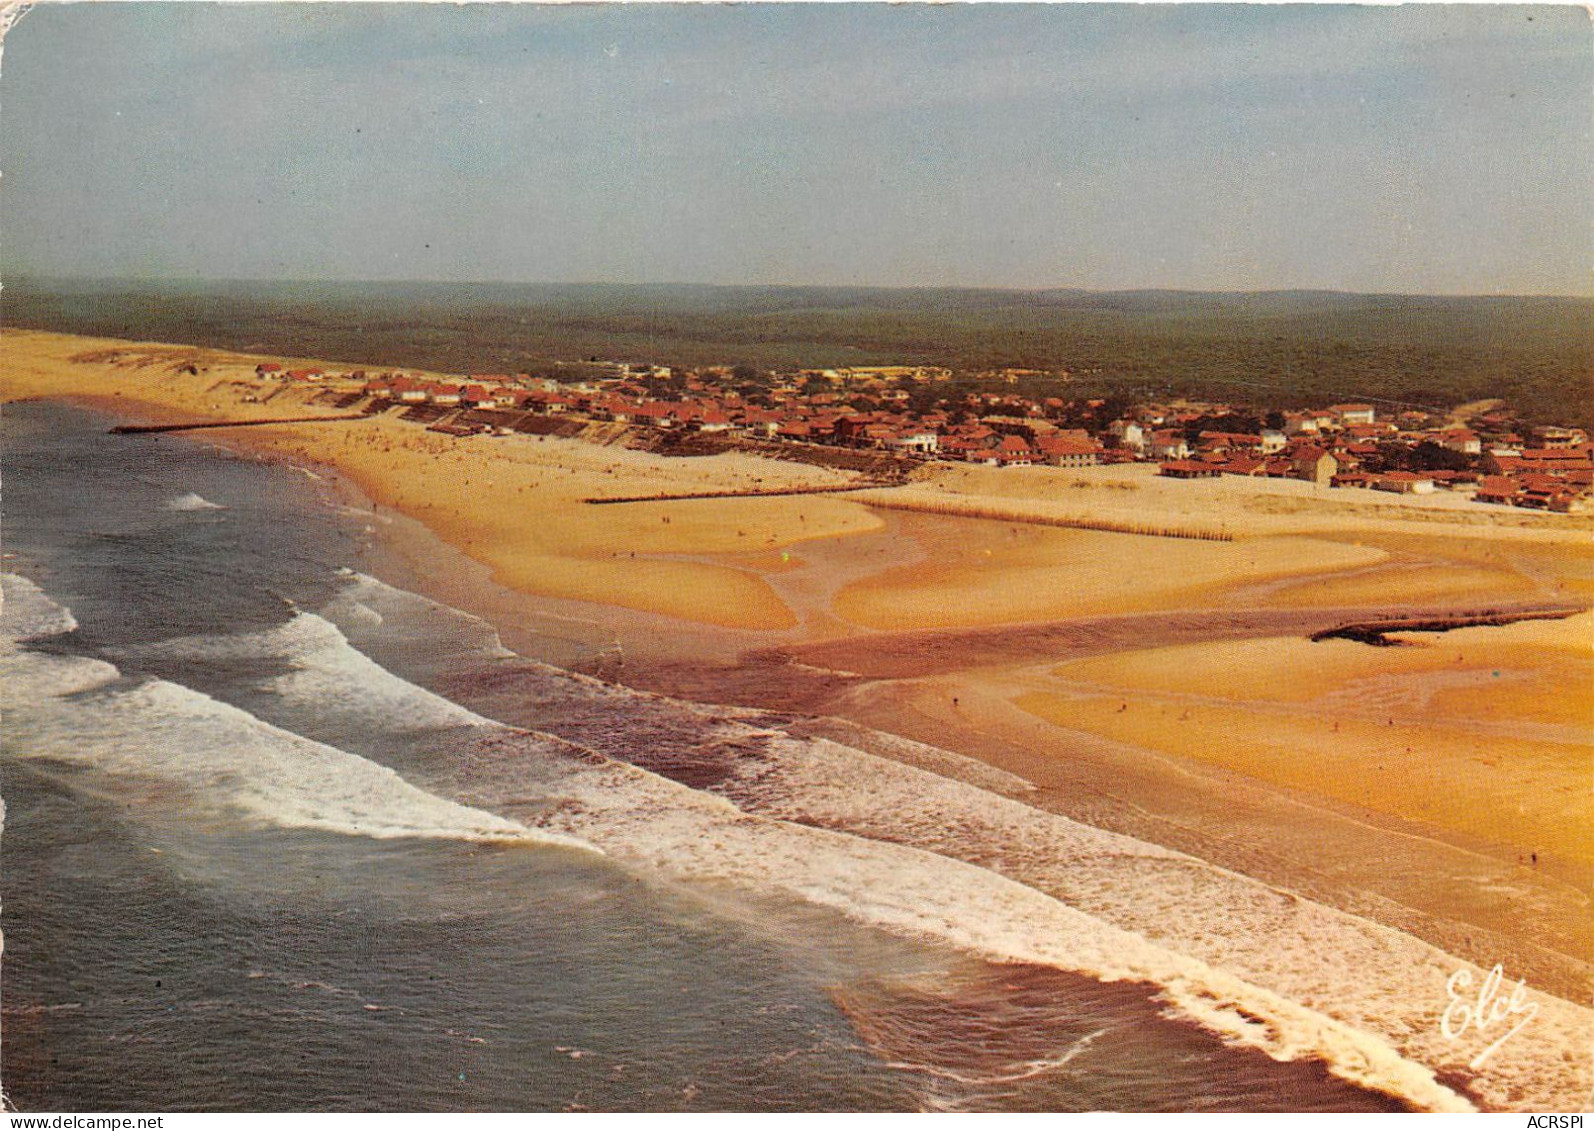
(228, 760)
(225, 758)
(324, 670)
(362, 615)
(26, 613)
(1019, 1072)
(658, 824)
(407, 618)
(192, 502)
(1378, 982)
(27, 678)
(894, 846)
(907, 849)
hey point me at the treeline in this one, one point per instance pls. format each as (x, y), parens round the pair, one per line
(1271, 350)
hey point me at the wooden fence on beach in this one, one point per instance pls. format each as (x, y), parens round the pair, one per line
(927, 506)
(751, 493)
(126, 429)
(1003, 514)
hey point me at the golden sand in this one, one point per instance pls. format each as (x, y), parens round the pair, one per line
(983, 573)
(1484, 731)
(514, 503)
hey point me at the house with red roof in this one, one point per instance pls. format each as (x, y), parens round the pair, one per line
(1229, 442)
(1168, 444)
(546, 401)
(407, 390)
(1189, 469)
(1313, 464)
(617, 410)
(1554, 459)
(1129, 434)
(1355, 452)
(1360, 479)
(1065, 451)
(1495, 489)
(655, 414)
(1554, 436)
(970, 448)
(762, 422)
(709, 420)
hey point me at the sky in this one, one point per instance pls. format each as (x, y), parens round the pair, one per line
(1420, 149)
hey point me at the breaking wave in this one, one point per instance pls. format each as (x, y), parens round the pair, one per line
(731, 794)
(193, 502)
(429, 634)
(79, 711)
(322, 670)
(26, 614)
(720, 796)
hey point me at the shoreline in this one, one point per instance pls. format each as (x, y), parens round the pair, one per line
(1106, 785)
(1337, 854)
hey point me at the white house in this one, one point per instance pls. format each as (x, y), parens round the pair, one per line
(914, 440)
(1169, 445)
(1129, 434)
(1349, 414)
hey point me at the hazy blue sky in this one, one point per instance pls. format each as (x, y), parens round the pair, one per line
(1420, 148)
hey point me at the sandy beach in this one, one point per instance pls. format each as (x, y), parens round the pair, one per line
(1441, 786)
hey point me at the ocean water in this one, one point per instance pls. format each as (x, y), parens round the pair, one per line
(282, 836)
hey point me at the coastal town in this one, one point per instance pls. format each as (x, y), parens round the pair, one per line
(903, 415)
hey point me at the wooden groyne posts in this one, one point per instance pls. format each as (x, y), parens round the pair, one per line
(124, 429)
(953, 510)
(751, 493)
(1022, 518)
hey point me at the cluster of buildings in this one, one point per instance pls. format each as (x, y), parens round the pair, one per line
(1547, 478)
(1409, 453)
(893, 409)
(986, 429)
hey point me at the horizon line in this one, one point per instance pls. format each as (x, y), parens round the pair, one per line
(13, 278)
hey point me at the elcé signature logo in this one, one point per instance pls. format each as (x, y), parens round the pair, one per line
(1486, 1011)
